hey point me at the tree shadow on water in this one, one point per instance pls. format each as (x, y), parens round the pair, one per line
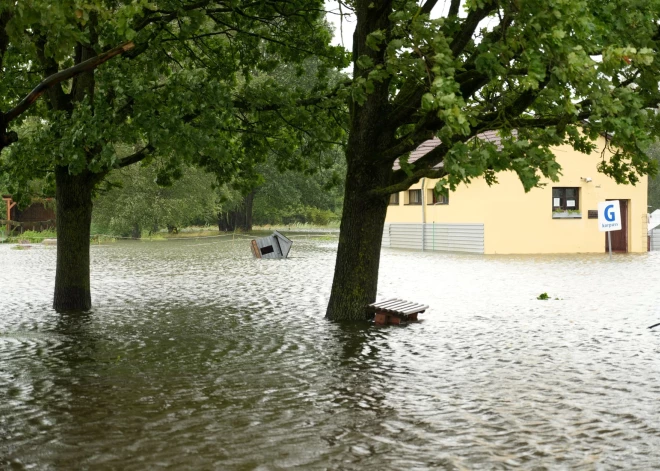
(79, 341)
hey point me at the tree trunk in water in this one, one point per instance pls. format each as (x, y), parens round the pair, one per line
(248, 202)
(238, 218)
(74, 216)
(136, 231)
(358, 256)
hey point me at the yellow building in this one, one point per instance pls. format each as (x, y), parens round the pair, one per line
(502, 219)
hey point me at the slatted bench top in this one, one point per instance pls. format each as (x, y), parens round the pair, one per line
(398, 307)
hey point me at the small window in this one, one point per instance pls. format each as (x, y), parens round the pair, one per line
(394, 199)
(566, 203)
(414, 196)
(437, 199)
(565, 199)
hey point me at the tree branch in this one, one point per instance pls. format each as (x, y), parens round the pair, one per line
(428, 6)
(520, 104)
(409, 181)
(244, 105)
(137, 157)
(405, 104)
(57, 99)
(453, 8)
(89, 64)
(165, 16)
(469, 26)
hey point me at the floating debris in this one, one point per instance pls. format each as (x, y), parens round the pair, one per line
(274, 246)
(396, 311)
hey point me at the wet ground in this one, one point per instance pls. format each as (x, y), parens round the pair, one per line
(198, 357)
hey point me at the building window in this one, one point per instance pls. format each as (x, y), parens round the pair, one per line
(565, 199)
(437, 199)
(414, 196)
(394, 199)
(566, 203)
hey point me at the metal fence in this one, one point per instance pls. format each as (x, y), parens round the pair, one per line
(655, 239)
(435, 237)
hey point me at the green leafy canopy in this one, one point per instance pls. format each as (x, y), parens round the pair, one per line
(541, 73)
(203, 86)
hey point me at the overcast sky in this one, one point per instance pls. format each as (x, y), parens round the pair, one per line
(348, 25)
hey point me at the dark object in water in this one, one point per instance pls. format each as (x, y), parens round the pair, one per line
(654, 325)
(396, 311)
(274, 246)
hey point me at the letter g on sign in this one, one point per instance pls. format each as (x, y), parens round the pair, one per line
(609, 215)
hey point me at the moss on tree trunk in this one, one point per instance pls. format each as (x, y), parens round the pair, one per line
(74, 216)
(358, 256)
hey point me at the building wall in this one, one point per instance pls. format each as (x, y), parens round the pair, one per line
(519, 222)
(35, 217)
(36, 212)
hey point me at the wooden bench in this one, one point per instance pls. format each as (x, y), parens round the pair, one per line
(396, 311)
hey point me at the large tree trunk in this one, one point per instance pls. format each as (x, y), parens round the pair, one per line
(360, 238)
(363, 217)
(238, 218)
(74, 216)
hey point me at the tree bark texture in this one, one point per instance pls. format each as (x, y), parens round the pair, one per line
(136, 231)
(363, 217)
(74, 216)
(238, 218)
(358, 256)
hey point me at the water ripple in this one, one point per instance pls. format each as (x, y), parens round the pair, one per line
(196, 356)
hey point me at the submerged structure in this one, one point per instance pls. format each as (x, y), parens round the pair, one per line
(39, 215)
(273, 246)
(396, 311)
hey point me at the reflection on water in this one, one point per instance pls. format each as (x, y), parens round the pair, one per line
(196, 356)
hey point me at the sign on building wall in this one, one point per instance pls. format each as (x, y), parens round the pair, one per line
(609, 216)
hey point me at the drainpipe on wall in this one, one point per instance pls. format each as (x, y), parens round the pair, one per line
(423, 213)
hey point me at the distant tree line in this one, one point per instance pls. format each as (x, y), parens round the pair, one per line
(132, 202)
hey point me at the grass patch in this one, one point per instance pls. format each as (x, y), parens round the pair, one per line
(32, 236)
(189, 234)
(98, 239)
(298, 226)
(326, 237)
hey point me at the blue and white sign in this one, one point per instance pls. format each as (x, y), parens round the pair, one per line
(609, 216)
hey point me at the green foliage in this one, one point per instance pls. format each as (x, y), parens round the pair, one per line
(135, 202)
(293, 197)
(216, 84)
(542, 74)
(543, 297)
(32, 236)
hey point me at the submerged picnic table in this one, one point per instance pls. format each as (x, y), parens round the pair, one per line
(396, 311)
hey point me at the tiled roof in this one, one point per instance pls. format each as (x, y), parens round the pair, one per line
(427, 146)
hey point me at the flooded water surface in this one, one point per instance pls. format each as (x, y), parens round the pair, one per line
(198, 357)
